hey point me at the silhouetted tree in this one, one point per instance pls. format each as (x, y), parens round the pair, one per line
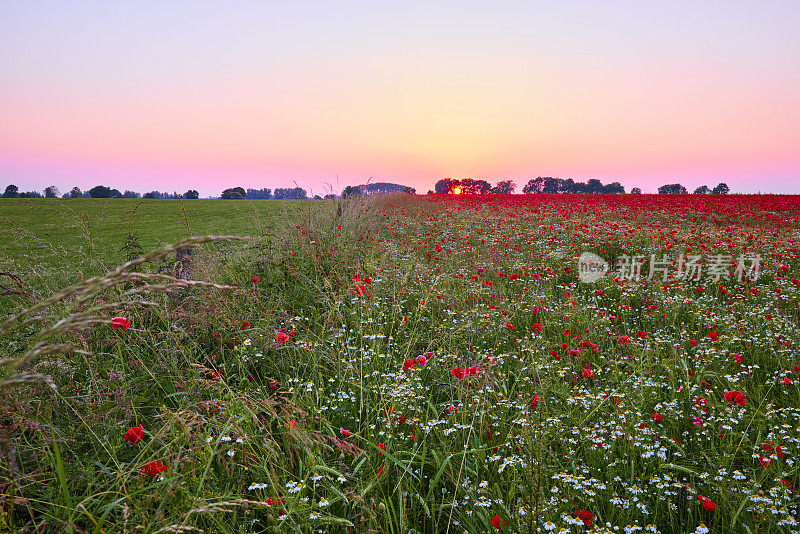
(115, 194)
(30, 194)
(290, 193)
(100, 191)
(51, 191)
(131, 194)
(702, 190)
(504, 187)
(352, 191)
(672, 189)
(614, 188)
(721, 189)
(191, 194)
(234, 193)
(12, 191)
(534, 186)
(636, 191)
(470, 186)
(259, 194)
(446, 185)
(75, 192)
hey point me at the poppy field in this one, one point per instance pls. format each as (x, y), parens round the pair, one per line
(420, 364)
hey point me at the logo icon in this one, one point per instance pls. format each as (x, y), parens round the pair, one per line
(591, 267)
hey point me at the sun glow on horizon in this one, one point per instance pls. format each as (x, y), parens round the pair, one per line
(457, 191)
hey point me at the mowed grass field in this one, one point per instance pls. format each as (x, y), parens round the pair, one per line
(50, 243)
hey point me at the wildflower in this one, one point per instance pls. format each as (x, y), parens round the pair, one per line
(535, 401)
(657, 417)
(736, 396)
(497, 522)
(707, 503)
(120, 322)
(763, 461)
(343, 432)
(538, 328)
(134, 434)
(254, 279)
(280, 337)
(624, 339)
(586, 516)
(293, 332)
(472, 371)
(408, 363)
(421, 360)
(245, 324)
(153, 469)
(458, 372)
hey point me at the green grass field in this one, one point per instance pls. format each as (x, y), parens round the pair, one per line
(50, 243)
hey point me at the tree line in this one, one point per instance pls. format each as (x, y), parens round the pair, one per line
(446, 186)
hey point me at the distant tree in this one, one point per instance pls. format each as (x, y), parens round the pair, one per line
(470, 186)
(259, 194)
(409, 190)
(721, 189)
(534, 186)
(594, 187)
(330, 195)
(446, 186)
(115, 194)
(65, 195)
(504, 187)
(552, 186)
(51, 192)
(100, 191)
(702, 190)
(12, 191)
(382, 188)
(191, 194)
(234, 193)
(151, 194)
(317, 197)
(156, 195)
(75, 193)
(352, 191)
(672, 189)
(430, 192)
(30, 194)
(636, 191)
(290, 193)
(131, 194)
(614, 188)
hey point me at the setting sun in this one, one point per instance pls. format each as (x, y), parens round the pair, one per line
(457, 191)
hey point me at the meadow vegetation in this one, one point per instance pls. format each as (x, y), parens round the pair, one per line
(398, 364)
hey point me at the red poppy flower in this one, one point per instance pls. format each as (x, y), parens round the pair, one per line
(134, 434)
(624, 339)
(408, 363)
(692, 342)
(254, 279)
(586, 516)
(796, 367)
(345, 433)
(458, 372)
(537, 327)
(472, 371)
(497, 522)
(293, 332)
(421, 360)
(763, 461)
(120, 322)
(245, 324)
(707, 503)
(153, 469)
(657, 417)
(535, 401)
(280, 337)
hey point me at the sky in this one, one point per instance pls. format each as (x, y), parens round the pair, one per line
(171, 96)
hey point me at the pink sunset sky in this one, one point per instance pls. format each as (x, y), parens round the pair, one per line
(177, 95)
